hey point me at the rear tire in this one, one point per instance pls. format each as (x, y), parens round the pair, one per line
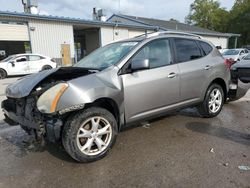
(88, 135)
(213, 102)
(3, 74)
(46, 67)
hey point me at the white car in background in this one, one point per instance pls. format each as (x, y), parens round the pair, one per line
(21, 64)
(236, 54)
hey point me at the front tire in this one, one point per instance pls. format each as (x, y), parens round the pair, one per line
(213, 102)
(89, 135)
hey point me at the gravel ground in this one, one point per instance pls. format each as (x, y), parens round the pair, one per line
(180, 150)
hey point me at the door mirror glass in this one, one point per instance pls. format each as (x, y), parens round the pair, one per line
(140, 64)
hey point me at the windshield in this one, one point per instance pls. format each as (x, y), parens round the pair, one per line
(247, 57)
(231, 52)
(8, 58)
(106, 56)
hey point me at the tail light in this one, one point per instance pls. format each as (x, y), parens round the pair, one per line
(229, 63)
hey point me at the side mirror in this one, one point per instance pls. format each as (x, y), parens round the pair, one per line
(12, 63)
(140, 64)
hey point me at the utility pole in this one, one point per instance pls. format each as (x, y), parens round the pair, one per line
(119, 6)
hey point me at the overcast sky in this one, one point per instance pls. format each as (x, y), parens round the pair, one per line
(162, 9)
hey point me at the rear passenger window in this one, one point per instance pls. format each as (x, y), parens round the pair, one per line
(206, 47)
(34, 58)
(187, 50)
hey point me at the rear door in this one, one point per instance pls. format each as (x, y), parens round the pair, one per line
(194, 70)
(149, 92)
(36, 63)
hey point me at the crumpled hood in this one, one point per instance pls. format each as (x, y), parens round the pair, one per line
(25, 85)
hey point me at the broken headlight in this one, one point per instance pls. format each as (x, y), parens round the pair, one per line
(47, 102)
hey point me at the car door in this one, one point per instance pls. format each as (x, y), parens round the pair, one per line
(35, 63)
(194, 70)
(151, 91)
(18, 66)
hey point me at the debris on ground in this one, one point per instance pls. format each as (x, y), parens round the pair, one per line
(146, 125)
(211, 150)
(243, 167)
(225, 164)
(243, 155)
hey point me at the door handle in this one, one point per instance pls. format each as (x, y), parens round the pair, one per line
(172, 75)
(208, 67)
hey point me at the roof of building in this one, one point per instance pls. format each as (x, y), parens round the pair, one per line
(72, 20)
(170, 25)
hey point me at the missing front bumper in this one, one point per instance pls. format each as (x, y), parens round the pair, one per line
(50, 128)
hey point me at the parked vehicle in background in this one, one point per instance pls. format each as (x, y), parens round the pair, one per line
(247, 47)
(235, 54)
(85, 106)
(240, 81)
(21, 64)
(222, 50)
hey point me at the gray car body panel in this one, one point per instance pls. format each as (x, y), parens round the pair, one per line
(143, 93)
(87, 89)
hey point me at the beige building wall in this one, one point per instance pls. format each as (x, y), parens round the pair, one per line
(217, 41)
(47, 37)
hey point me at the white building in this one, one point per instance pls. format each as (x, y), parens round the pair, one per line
(69, 39)
(65, 39)
(217, 38)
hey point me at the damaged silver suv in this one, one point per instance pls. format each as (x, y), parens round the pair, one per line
(86, 105)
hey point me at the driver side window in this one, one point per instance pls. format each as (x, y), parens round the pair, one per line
(158, 53)
(21, 59)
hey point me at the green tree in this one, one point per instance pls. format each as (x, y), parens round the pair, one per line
(208, 14)
(239, 21)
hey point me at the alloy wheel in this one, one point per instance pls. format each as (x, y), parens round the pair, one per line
(94, 135)
(215, 100)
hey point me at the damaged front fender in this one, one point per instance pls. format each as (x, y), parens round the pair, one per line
(88, 89)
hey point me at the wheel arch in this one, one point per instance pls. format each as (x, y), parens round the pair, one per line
(43, 67)
(108, 104)
(222, 83)
(4, 71)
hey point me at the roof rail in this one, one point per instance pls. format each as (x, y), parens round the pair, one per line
(159, 33)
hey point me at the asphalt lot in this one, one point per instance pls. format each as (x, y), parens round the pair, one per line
(174, 151)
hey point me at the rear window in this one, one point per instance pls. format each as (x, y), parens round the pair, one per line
(205, 47)
(187, 50)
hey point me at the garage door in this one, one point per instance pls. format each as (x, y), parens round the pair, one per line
(13, 32)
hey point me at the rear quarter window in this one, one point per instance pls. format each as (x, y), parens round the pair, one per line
(205, 47)
(187, 50)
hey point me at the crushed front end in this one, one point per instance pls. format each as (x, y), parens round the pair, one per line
(24, 112)
(30, 98)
